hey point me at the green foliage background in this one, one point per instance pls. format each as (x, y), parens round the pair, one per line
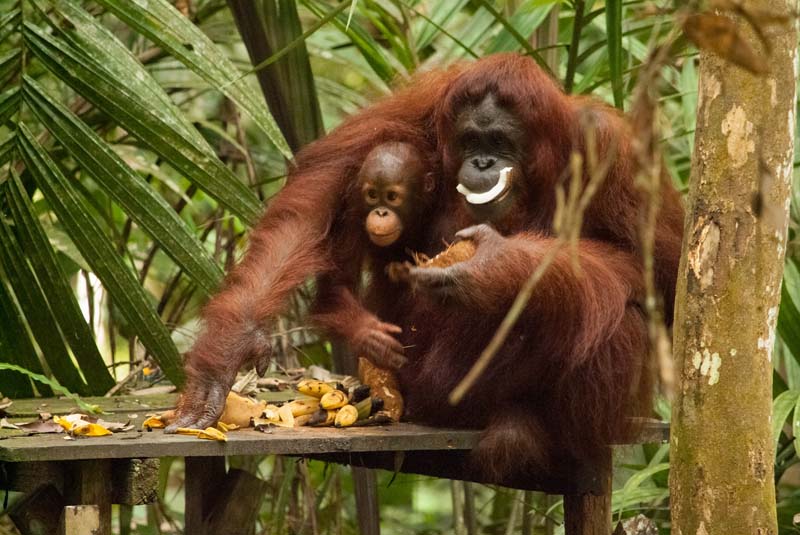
(136, 147)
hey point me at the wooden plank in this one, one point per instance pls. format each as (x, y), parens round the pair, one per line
(297, 441)
(236, 504)
(89, 483)
(39, 512)
(456, 465)
(82, 520)
(23, 408)
(134, 481)
(590, 513)
(365, 485)
(203, 475)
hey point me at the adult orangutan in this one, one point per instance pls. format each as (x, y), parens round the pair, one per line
(575, 365)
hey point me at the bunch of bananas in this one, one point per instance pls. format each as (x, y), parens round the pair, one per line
(325, 405)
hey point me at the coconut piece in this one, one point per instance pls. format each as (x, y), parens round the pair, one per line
(459, 251)
(383, 384)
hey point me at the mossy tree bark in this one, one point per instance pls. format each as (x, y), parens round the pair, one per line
(729, 290)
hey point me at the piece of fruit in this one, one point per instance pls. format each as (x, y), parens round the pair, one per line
(153, 422)
(455, 253)
(311, 387)
(383, 383)
(333, 400)
(322, 418)
(240, 409)
(286, 416)
(346, 416)
(212, 433)
(302, 420)
(364, 408)
(360, 392)
(301, 407)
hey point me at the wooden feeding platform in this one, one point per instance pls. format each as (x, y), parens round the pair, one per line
(72, 483)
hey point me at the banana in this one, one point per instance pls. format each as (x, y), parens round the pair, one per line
(271, 412)
(364, 408)
(323, 418)
(346, 416)
(359, 393)
(333, 400)
(311, 387)
(302, 420)
(286, 416)
(301, 407)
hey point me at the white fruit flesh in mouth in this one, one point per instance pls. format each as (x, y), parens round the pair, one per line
(486, 196)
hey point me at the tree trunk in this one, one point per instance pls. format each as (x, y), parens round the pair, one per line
(729, 290)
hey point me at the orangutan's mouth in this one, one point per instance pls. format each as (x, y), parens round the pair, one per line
(495, 193)
(382, 240)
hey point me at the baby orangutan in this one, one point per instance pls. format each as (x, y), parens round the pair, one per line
(390, 201)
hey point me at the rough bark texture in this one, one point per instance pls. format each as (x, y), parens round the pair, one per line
(729, 290)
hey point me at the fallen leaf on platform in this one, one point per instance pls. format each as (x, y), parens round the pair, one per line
(5, 424)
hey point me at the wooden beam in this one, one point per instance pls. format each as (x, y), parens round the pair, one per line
(590, 513)
(89, 483)
(236, 504)
(203, 475)
(38, 512)
(82, 520)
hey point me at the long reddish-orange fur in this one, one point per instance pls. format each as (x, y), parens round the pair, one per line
(576, 363)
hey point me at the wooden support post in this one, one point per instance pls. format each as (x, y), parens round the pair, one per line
(202, 475)
(365, 483)
(89, 483)
(39, 512)
(237, 502)
(590, 514)
(82, 520)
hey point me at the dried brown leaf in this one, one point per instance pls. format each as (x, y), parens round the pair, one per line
(719, 34)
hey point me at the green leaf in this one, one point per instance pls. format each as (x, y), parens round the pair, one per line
(16, 348)
(98, 251)
(112, 94)
(9, 104)
(160, 22)
(57, 289)
(526, 46)
(145, 206)
(9, 65)
(361, 39)
(50, 383)
(782, 406)
(526, 20)
(440, 14)
(96, 41)
(789, 323)
(7, 148)
(614, 33)
(286, 79)
(40, 317)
